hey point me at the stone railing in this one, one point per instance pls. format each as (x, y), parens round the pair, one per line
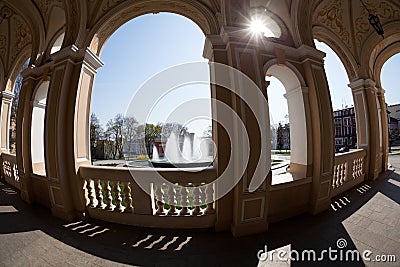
(348, 171)
(113, 195)
(10, 169)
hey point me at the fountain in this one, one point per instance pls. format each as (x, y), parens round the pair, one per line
(155, 154)
(192, 153)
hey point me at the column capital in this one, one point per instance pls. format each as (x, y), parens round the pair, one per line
(76, 55)
(381, 91)
(300, 89)
(7, 96)
(92, 60)
(213, 43)
(362, 84)
(308, 51)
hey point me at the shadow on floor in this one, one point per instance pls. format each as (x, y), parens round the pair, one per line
(204, 247)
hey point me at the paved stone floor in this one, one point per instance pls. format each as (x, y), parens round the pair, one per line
(366, 217)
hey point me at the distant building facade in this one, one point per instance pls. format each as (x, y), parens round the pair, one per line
(345, 128)
(393, 117)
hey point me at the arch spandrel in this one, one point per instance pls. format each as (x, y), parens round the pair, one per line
(380, 50)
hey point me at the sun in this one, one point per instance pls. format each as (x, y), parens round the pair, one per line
(257, 26)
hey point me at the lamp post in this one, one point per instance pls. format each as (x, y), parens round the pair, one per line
(374, 21)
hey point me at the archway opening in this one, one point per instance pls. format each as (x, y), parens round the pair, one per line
(280, 126)
(37, 128)
(290, 124)
(389, 82)
(345, 128)
(57, 44)
(14, 107)
(160, 41)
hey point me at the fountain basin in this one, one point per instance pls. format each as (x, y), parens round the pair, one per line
(168, 164)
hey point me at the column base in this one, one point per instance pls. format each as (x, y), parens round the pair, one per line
(68, 216)
(320, 206)
(249, 229)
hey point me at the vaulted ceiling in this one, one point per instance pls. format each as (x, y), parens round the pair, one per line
(30, 27)
(344, 26)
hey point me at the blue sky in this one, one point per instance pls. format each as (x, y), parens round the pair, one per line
(148, 44)
(140, 49)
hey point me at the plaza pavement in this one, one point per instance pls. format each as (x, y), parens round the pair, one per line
(367, 217)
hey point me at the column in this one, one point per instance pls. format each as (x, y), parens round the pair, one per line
(243, 211)
(369, 133)
(6, 98)
(322, 128)
(215, 50)
(384, 148)
(67, 129)
(31, 77)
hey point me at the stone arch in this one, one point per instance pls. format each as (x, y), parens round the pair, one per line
(8, 97)
(16, 67)
(56, 30)
(382, 50)
(301, 12)
(34, 21)
(296, 95)
(112, 20)
(375, 47)
(75, 24)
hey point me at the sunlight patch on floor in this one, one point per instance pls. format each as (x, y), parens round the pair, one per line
(8, 209)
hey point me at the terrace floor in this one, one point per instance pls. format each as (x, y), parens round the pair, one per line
(367, 217)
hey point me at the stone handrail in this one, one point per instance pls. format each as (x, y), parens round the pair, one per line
(348, 171)
(112, 194)
(10, 169)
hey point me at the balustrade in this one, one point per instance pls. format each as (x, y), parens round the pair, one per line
(113, 191)
(348, 171)
(10, 169)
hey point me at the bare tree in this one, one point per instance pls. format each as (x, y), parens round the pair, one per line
(96, 133)
(114, 132)
(129, 133)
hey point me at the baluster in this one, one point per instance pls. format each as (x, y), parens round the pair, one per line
(210, 199)
(158, 195)
(107, 189)
(341, 180)
(99, 194)
(15, 172)
(339, 172)
(360, 162)
(345, 170)
(171, 199)
(202, 194)
(90, 193)
(117, 196)
(196, 200)
(335, 176)
(128, 197)
(184, 200)
(361, 166)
